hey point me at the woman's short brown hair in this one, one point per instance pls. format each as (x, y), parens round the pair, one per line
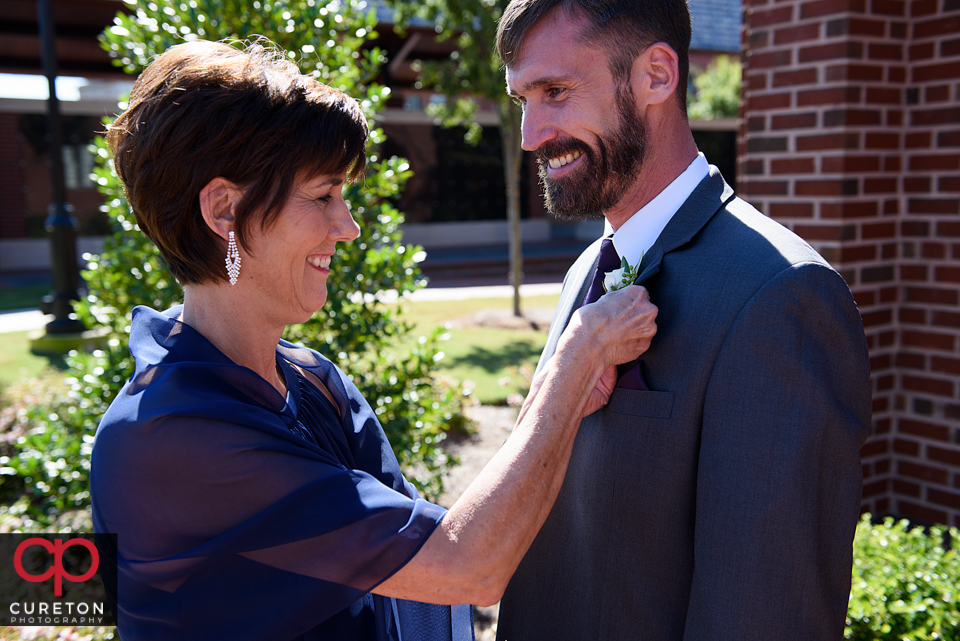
(204, 110)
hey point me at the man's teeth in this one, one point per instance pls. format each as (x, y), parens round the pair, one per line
(557, 163)
(319, 261)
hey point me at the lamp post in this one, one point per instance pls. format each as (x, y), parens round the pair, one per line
(61, 225)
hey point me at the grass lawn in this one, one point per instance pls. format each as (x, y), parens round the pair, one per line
(16, 361)
(479, 354)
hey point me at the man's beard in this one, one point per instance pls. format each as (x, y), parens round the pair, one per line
(606, 173)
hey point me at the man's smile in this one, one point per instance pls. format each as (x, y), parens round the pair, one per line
(560, 161)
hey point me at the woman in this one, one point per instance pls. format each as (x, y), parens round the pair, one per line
(253, 493)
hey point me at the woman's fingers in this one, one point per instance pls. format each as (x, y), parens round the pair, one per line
(624, 321)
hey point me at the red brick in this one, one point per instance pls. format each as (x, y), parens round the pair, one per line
(850, 71)
(922, 51)
(946, 116)
(949, 229)
(934, 163)
(879, 186)
(878, 230)
(757, 39)
(883, 96)
(916, 185)
(765, 102)
(942, 26)
(923, 472)
(754, 167)
(892, 163)
(905, 488)
(896, 74)
(794, 121)
(792, 166)
(871, 319)
(848, 140)
(929, 340)
(770, 59)
(915, 228)
(833, 51)
(898, 30)
(851, 117)
(945, 365)
(932, 295)
(764, 187)
(928, 385)
(756, 81)
(889, 251)
(857, 253)
(801, 33)
(756, 123)
(845, 164)
(877, 51)
(948, 184)
(938, 93)
(918, 139)
(837, 187)
(911, 361)
(933, 250)
(856, 27)
(933, 206)
(826, 232)
(767, 17)
(945, 274)
(849, 209)
(876, 140)
(819, 8)
(941, 71)
(894, 118)
(945, 319)
(923, 7)
(791, 210)
(832, 96)
(917, 512)
(947, 499)
(795, 77)
(914, 273)
(881, 362)
(888, 7)
(876, 488)
(950, 48)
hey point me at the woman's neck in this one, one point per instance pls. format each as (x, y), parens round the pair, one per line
(243, 336)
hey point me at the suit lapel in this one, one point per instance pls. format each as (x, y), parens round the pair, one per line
(706, 200)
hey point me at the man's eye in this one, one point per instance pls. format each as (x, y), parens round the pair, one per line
(520, 102)
(555, 92)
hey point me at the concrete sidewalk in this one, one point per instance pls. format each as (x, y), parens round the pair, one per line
(23, 320)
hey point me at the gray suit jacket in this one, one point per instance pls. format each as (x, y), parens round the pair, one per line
(721, 504)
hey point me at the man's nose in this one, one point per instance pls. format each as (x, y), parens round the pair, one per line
(536, 128)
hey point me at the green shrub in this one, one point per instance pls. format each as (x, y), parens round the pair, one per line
(906, 583)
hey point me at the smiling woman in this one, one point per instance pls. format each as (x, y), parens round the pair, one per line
(252, 490)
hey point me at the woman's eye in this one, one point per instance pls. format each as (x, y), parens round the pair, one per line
(325, 199)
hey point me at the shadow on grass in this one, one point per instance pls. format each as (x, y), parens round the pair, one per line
(494, 360)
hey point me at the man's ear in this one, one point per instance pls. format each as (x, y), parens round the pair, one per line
(656, 74)
(218, 202)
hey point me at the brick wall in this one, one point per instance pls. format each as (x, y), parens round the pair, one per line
(851, 137)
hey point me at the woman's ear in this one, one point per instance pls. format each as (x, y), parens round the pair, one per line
(218, 202)
(657, 72)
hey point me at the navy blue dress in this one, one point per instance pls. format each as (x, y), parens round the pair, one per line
(243, 515)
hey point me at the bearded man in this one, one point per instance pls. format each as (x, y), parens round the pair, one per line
(717, 494)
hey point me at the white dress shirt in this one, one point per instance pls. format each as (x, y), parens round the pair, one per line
(636, 236)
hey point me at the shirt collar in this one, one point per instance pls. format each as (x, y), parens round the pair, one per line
(638, 234)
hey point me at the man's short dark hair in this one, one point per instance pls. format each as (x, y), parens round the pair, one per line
(622, 28)
(204, 110)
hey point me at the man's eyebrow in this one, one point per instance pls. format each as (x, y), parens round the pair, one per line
(536, 84)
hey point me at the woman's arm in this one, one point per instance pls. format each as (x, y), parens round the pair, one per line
(474, 551)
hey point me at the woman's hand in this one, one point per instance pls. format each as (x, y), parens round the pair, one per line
(616, 329)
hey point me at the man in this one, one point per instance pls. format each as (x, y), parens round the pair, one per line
(718, 498)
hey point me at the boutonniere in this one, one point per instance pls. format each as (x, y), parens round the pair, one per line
(620, 278)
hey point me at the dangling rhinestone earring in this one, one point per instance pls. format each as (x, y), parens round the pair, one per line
(233, 259)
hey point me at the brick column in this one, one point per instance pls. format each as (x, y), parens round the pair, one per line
(835, 145)
(13, 221)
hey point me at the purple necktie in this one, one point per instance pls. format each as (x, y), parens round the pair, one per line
(609, 260)
(632, 378)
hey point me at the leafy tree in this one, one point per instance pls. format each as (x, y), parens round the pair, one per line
(331, 41)
(474, 71)
(716, 90)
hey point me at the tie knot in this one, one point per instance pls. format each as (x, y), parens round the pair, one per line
(609, 259)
